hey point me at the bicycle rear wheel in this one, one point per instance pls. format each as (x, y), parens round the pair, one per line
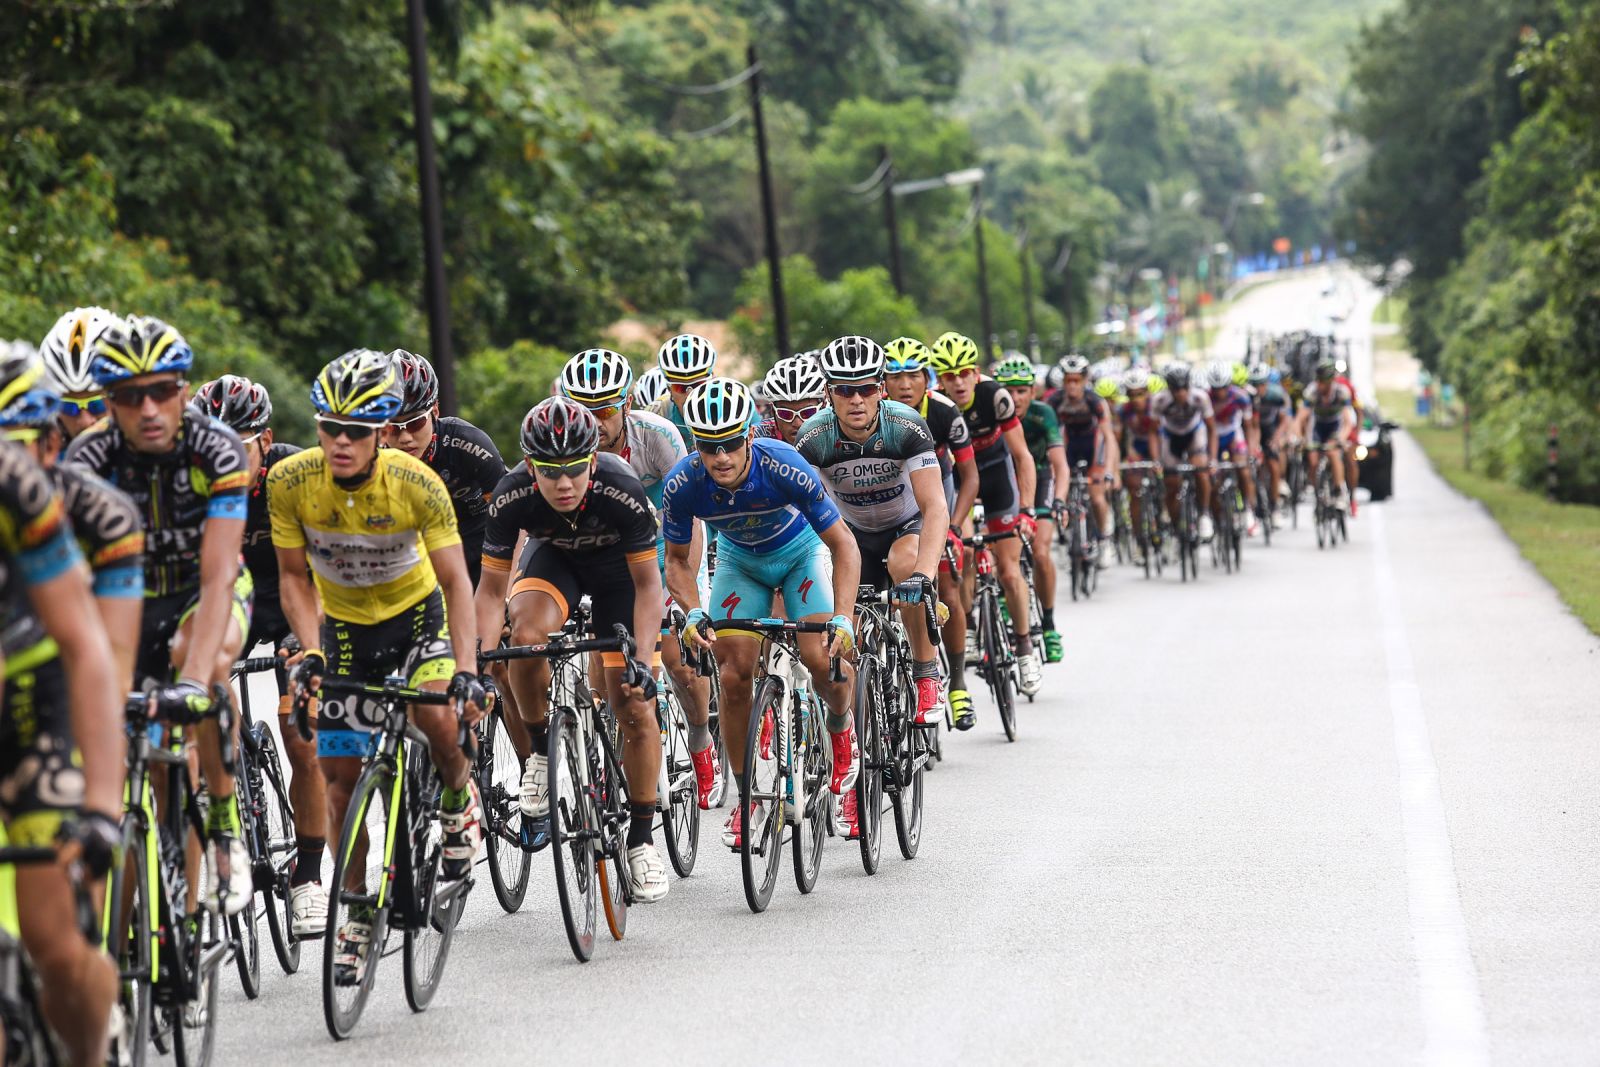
(345, 989)
(814, 800)
(131, 941)
(436, 905)
(998, 655)
(572, 834)
(611, 810)
(499, 772)
(910, 759)
(874, 761)
(278, 833)
(194, 1034)
(679, 797)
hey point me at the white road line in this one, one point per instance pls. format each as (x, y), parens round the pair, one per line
(1452, 1009)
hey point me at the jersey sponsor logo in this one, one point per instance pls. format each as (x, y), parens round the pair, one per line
(471, 448)
(867, 473)
(805, 590)
(730, 602)
(380, 522)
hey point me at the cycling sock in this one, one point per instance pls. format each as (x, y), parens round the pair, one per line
(1021, 644)
(222, 816)
(699, 737)
(930, 669)
(540, 736)
(642, 818)
(958, 669)
(738, 780)
(1048, 616)
(307, 860)
(836, 724)
(454, 799)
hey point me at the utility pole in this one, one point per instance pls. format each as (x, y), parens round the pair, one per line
(780, 310)
(1027, 294)
(983, 274)
(895, 270)
(436, 290)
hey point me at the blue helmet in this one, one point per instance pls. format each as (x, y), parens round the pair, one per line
(27, 398)
(138, 345)
(360, 386)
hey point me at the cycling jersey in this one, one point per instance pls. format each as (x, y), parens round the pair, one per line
(768, 429)
(612, 521)
(202, 477)
(781, 496)
(1042, 433)
(1329, 407)
(368, 546)
(1180, 418)
(667, 408)
(1139, 424)
(871, 479)
(470, 465)
(1083, 416)
(35, 546)
(259, 555)
(990, 414)
(107, 527)
(1272, 405)
(1230, 407)
(652, 448)
(949, 429)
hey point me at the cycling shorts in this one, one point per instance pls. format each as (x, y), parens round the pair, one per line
(41, 777)
(1179, 448)
(415, 644)
(566, 578)
(1234, 444)
(745, 582)
(1044, 484)
(875, 546)
(165, 615)
(1086, 448)
(1323, 431)
(1141, 448)
(997, 492)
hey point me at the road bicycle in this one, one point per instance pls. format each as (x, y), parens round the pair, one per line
(26, 1039)
(1186, 521)
(1084, 572)
(387, 871)
(1227, 516)
(997, 659)
(1148, 536)
(1329, 516)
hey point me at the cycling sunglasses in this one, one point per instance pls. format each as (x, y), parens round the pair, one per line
(862, 389)
(717, 448)
(783, 414)
(602, 414)
(572, 468)
(352, 431)
(412, 425)
(132, 396)
(94, 405)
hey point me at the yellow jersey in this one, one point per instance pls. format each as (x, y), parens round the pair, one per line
(368, 547)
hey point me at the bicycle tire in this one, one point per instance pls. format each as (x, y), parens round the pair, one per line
(135, 950)
(679, 795)
(1000, 680)
(610, 853)
(245, 928)
(571, 835)
(367, 814)
(279, 836)
(500, 795)
(759, 858)
(436, 906)
(869, 782)
(192, 1045)
(911, 761)
(814, 806)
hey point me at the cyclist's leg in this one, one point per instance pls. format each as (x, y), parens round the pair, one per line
(1199, 455)
(1174, 451)
(1044, 563)
(308, 795)
(739, 589)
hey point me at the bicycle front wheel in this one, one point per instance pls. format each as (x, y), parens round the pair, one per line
(611, 811)
(359, 902)
(910, 757)
(245, 928)
(499, 787)
(813, 799)
(277, 834)
(1001, 681)
(129, 905)
(874, 761)
(679, 791)
(572, 834)
(761, 807)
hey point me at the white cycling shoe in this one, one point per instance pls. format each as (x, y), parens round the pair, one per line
(647, 874)
(1207, 530)
(1032, 676)
(308, 903)
(534, 798)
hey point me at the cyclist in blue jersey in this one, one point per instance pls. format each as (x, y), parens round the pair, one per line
(779, 533)
(686, 362)
(1234, 413)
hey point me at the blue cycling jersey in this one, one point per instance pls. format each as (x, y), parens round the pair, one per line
(781, 496)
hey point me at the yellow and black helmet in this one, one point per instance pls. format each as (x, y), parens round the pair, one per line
(362, 385)
(953, 352)
(138, 345)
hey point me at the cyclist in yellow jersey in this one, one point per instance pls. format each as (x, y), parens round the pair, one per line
(377, 530)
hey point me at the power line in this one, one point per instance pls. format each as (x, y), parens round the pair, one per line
(870, 183)
(714, 88)
(717, 127)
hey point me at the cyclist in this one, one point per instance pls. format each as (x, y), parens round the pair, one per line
(1188, 435)
(68, 351)
(463, 456)
(61, 742)
(590, 532)
(798, 391)
(1352, 436)
(1329, 409)
(1272, 425)
(1137, 428)
(186, 473)
(780, 533)
(685, 362)
(1086, 426)
(1234, 415)
(1005, 479)
(600, 381)
(1043, 434)
(245, 406)
(907, 363)
(370, 567)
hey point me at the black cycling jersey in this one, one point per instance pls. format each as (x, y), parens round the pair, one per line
(614, 519)
(204, 476)
(259, 555)
(470, 466)
(35, 546)
(1081, 417)
(948, 428)
(108, 530)
(991, 413)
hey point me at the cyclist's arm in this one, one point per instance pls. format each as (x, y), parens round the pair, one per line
(647, 601)
(1022, 461)
(928, 488)
(1062, 477)
(841, 545)
(220, 543)
(489, 602)
(966, 475)
(1212, 444)
(681, 576)
(120, 616)
(451, 567)
(65, 608)
(1347, 420)
(297, 595)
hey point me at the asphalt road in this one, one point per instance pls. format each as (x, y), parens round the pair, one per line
(1339, 808)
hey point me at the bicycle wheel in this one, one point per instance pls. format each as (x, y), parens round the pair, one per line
(1001, 680)
(499, 773)
(132, 943)
(244, 929)
(815, 800)
(874, 760)
(910, 759)
(359, 858)
(195, 1035)
(611, 810)
(678, 794)
(762, 808)
(572, 834)
(277, 830)
(436, 905)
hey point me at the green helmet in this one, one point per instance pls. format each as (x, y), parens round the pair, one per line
(1014, 370)
(1241, 374)
(953, 352)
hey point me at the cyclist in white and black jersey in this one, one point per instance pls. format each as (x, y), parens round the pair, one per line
(1186, 423)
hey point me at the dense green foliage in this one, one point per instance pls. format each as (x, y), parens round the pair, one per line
(1493, 195)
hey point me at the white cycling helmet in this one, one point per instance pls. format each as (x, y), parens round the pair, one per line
(686, 359)
(650, 387)
(719, 410)
(68, 349)
(1220, 374)
(1137, 378)
(597, 377)
(853, 359)
(793, 380)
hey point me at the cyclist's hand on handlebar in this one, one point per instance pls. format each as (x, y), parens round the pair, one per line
(638, 681)
(697, 628)
(468, 690)
(98, 837)
(309, 670)
(184, 699)
(843, 636)
(913, 590)
(1027, 524)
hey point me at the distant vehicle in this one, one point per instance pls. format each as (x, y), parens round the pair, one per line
(1375, 453)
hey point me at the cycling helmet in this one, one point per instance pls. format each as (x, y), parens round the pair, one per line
(1241, 374)
(952, 352)
(1327, 370)
(559, 428)
(27, 395)
(1135, 380)
(718, 410)
(417, 378)
(1219, 375)
(793, 380)
(68, 349)
(1073, 364)
(905, 354)
(650, 387)
(1341, 366)
(686, 359)
(237, 402)
(1274, 376)
(852, 359)
(127, 348)
(1260, 374)
(1177, 376)
(1014, 370)
(1106, 387)
(597, 377)
(1157, 384)
(360, 386)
